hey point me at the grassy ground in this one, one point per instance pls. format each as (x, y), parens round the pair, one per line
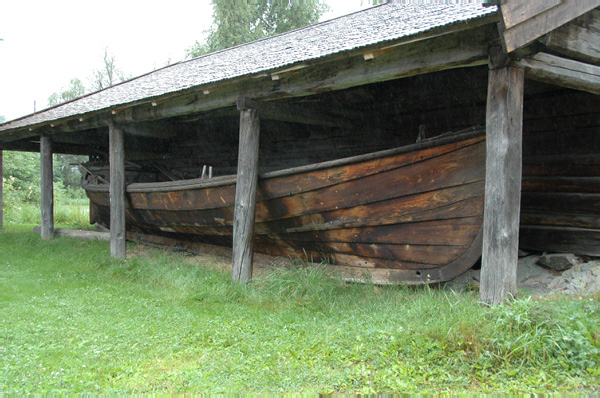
(67, 214)
(73, 320)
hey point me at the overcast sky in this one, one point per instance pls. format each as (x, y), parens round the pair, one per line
(48, 42)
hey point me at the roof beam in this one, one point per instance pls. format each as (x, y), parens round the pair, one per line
(578, 39)
(462, 49)
(561, 72)
(523, 22)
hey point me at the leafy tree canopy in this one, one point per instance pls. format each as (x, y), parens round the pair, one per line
(108, 75)
(73, 90)
(252, 20)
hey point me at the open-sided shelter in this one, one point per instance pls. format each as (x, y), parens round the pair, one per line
(276, 120)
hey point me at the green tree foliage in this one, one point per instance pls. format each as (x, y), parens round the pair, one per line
(74, 90)
(252, 20)
(22, 177)
(108, 75)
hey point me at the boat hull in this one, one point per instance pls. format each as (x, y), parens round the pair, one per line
(410, 215)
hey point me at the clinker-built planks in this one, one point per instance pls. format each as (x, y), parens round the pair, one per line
(410, 215)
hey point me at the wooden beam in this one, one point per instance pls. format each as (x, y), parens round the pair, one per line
(578, 39)
(562, 72)
(528, 21)
(1, 193)
(117, 191)
(47, 189)
(283, 112)
(504, 123)
(245, 194)
(516, 12)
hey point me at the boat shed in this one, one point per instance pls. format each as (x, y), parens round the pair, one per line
(374, 80)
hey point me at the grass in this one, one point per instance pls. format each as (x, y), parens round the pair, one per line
(74, 320)
(67, 214)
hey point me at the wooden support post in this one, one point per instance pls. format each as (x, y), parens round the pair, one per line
(117, 191)
(47, 189)
(1, 192)
(504, 122)
(245, 193)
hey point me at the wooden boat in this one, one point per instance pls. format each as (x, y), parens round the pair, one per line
(407, 215)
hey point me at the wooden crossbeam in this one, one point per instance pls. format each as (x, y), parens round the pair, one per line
(561, 72)
(283, 112)
(578, 39)
(526, 21)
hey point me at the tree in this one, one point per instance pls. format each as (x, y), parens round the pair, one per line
(108, 75)
(74, 90)
(248, 21)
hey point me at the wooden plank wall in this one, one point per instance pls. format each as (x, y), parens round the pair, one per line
(561, 173)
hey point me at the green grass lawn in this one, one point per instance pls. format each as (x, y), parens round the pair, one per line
(74, 320)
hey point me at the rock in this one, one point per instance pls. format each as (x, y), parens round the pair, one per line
(558, 261)
(523, 253)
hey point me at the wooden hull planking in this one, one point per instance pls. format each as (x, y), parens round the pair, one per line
(410, 216)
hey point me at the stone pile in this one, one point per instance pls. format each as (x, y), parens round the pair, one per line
(545, 275)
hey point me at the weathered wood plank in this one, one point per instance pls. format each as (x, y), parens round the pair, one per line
(578, 39)
(47, 189)
(295, 114)
(582, 241)
(515, 12)
(575, 202)
(245, 196)
(502, 185)
(562, 72)
(118, 236)
(558, 219)
(84, 235)
(517, 36)
(561, 184)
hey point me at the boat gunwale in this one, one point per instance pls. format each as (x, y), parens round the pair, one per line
(201, 183)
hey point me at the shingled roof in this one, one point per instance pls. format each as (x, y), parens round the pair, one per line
(372, 26)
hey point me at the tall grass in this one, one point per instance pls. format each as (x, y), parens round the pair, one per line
(73, 213)
(74, 320)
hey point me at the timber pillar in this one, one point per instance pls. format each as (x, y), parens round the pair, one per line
(245, 191)
(504, 125)
(47, 189)
(1, 193)
(117, 191)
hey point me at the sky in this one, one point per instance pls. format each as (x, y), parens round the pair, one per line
(46, 43)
